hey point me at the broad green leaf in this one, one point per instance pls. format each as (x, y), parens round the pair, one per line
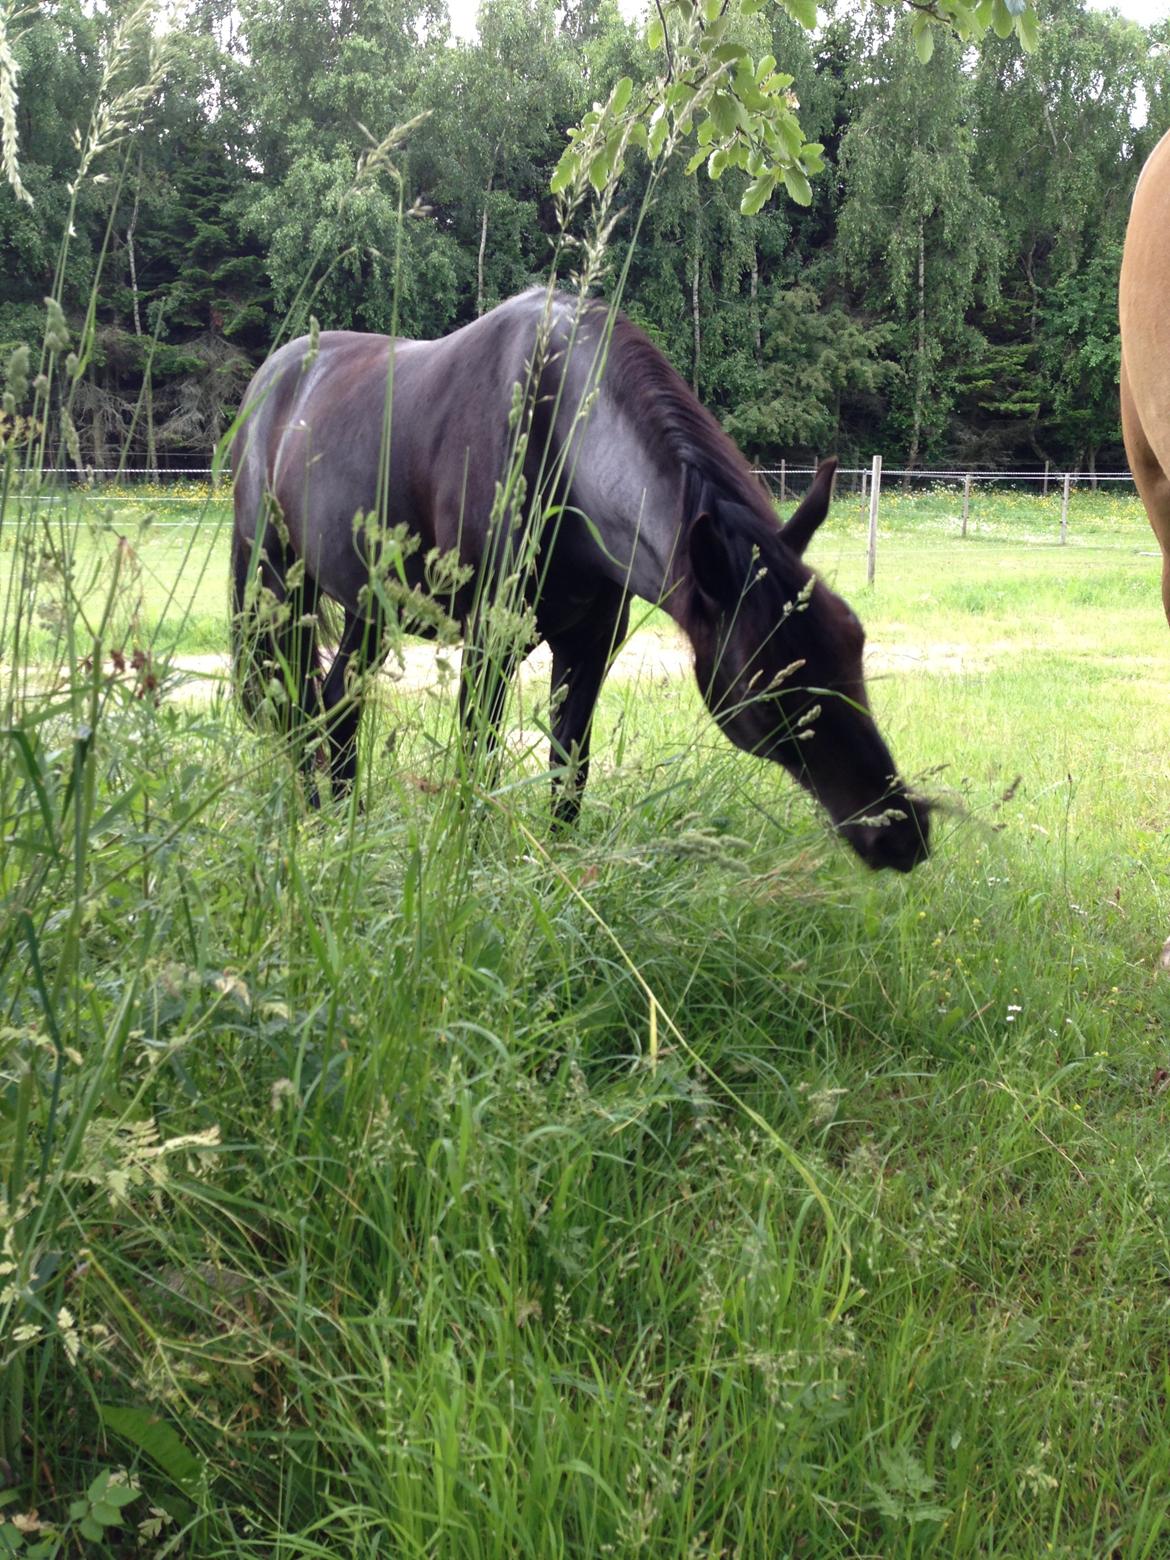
(1001, 19)
(723, 108)
(1028, 31)
(798, 186)
(657, 137)
(923, 34)
(766, 66)
(791, 139)
(655, 36)
(717, 162)
(121, 1494)
(620, 95)
(696, 161)
(753, 100)
(802, 11)
(565, 171)
(159, 1441)
(756, 194)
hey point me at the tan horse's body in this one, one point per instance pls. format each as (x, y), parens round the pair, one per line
(1144, 300)
(1144, 307)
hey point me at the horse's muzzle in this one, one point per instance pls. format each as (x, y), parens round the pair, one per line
(888, 840)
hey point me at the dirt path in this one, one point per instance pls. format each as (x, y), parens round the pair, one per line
(660, 657)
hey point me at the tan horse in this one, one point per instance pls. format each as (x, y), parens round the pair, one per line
(1144, 299)
(1144, 306)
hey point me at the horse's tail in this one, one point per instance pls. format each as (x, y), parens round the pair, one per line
(275, 652)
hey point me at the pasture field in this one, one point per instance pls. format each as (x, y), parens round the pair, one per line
(415, 1181)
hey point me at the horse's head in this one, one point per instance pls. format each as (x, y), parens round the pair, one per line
(778, 658)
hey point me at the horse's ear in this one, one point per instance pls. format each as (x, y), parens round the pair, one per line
(813, 507)
(712, 568)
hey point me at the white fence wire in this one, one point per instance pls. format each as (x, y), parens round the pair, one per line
(786, 482)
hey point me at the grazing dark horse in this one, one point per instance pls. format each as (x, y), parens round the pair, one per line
(629, 488)
(1144, 307)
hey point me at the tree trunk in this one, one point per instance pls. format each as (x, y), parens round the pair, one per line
(698, 332)
(756, 302)
(920, 366)
(147, 386)
(483, 230)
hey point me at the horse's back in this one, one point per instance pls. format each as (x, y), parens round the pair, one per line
(307, 386)
(313, 425)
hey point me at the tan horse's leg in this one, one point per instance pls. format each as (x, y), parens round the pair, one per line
(1153, 483)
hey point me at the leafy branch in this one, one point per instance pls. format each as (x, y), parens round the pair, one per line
(742, 110)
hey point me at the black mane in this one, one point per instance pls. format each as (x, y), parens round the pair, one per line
(656, 397)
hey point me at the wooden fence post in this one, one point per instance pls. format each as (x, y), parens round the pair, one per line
(966, 501)
(875, 488)
(1047, 463)
(783, 494)
(1064, 511)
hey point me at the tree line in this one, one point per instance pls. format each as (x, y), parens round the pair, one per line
(948, 294)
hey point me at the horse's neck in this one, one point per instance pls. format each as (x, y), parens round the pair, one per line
(633, 504)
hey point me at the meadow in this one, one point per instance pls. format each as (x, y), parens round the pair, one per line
(415, 1181)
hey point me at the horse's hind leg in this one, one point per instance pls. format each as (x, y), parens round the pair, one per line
(1152, 480)
(360, 648)
(485, 678)
(275, 641)
(580, 661)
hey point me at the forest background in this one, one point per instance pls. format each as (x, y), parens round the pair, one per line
(949, 294)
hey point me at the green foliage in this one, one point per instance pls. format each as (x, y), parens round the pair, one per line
(916, 233)
(813, 360)
(239, 209)
(739, 104)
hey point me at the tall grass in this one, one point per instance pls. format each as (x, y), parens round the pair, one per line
(412, 1180)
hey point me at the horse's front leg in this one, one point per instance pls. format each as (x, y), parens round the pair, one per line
(581, 659)
(486, 674)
